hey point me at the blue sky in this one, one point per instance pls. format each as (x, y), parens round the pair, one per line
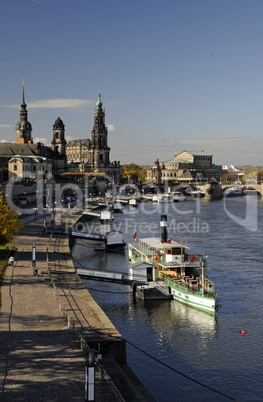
(173, 74)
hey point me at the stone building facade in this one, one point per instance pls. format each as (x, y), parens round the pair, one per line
(58, 146)
(186, 167)
(29, 167)
(25, 147)
(90, 155)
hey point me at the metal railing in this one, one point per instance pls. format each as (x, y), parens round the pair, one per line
(91, 354)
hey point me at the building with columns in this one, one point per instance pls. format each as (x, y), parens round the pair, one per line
(186, 167)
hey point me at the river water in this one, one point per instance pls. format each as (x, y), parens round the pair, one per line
(209, 350)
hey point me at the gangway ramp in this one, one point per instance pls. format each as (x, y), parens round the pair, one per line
(121, 278)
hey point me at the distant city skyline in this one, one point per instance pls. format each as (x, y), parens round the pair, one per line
(173, 75)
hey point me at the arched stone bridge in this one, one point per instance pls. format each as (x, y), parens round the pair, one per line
(215, 190)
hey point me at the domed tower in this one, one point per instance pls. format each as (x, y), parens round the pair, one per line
(23, 127)
(59, 143)
(99, 138)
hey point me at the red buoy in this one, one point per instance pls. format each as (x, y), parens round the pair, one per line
(243, 332)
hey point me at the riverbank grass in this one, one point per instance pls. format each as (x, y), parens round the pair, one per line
(5, 253)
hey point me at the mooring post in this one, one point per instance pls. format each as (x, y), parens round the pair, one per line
(134, 290)
(90, 375)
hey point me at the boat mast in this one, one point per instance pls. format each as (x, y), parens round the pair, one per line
(202, 265)
(182, 265)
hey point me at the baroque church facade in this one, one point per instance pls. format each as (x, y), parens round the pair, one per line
(25, 160)
(87, 156)
(93, 155)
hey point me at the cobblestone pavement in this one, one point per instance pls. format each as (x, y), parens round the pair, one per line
(40, 357)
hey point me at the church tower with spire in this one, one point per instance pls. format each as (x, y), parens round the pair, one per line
(93, 155)
(23, 127)
(99, 138)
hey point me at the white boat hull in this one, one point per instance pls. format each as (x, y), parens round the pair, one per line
(165, 199)
(117, 207)
(199, 302)
(178, 198)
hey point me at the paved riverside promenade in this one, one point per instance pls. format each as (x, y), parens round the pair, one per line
(41, 358)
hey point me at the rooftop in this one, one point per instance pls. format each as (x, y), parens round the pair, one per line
(28, 159)
(156, 243)
(196, 153)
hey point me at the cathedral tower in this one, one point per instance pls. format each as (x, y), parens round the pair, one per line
(23, 127)
(99, 138)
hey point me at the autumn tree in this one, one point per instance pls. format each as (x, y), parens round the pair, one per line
(10, 224)
(253, 174)
(260, 176)
(134, 172)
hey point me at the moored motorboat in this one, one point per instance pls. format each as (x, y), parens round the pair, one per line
(133, 203)
(118, 207)
(178, 197)
(170, 263)
(114, 241)
(234, 191)
(165, 198)
(194, 193)
(110, 241)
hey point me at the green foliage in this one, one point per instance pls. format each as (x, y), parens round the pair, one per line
(5, 253)
(10, 224)
(253, 175)
(260, 176)
(133, 171)
(142, 175)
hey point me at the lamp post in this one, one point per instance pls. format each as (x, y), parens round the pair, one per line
(90, 375)
(34, 254)
(34, 257)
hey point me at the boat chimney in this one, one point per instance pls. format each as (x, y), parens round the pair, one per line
(163, 225)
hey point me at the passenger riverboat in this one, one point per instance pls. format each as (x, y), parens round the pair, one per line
(170, 263)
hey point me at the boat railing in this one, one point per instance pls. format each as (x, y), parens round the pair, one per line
(180, 285)
(150, 258)
(186, 286)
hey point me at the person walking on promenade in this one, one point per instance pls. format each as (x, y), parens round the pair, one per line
(11, 261)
